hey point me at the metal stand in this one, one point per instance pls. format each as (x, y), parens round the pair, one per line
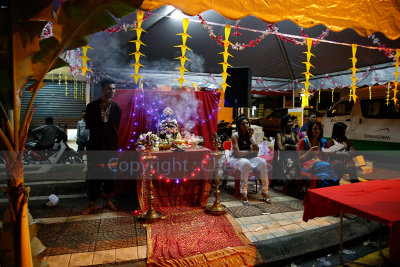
(343, 261)
(151, 214)
(216, 207)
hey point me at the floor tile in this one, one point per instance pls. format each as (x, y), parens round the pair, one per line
(59, 260)
(81, 259)
(270, 224)
(77, 218)
(285, 222)
(51, 220)
(278, 231)
(126, 254)
(92, 217)
(307, 225)
(142, 252)
(104, 256)
(107, 215)
(254, 227)
(279, 216)
(251, 237)
(293, 228)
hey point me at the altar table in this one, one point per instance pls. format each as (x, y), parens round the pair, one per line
(179, 178)
(377, 200)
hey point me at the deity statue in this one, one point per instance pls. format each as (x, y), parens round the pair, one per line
(168, 127)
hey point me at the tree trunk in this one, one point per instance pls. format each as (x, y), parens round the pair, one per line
(18, 196)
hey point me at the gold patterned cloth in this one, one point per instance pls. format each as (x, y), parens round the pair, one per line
(364, 16)
(191, 237)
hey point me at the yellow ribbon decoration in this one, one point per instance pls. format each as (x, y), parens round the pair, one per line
(225, 55)
(183, 58)
(84, 60)
(138, 43)
(66, 84)
(352, 95)
(370, 93)
(396, 73)
(305, 94)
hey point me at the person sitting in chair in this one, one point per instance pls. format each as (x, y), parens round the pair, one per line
(244, 157)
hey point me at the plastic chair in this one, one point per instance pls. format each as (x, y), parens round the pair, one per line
(229, 170)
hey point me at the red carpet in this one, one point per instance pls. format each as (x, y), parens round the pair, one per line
(190, 237)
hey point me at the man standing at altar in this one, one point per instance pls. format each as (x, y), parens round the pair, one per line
(102, 119)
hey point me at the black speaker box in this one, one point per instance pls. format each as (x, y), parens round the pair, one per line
(239, 94)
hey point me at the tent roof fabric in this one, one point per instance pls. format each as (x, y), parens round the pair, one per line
(364, 16)
(278, 63)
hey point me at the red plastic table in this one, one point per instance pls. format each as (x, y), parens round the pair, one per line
(377, 200)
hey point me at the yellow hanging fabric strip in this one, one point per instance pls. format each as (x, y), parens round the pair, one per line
(66, 85)
(183, 58)
(396, 75)
(138, 43)
(305, 93)
(225, 54)
(352, 95)
(84, 60)
(370, 93)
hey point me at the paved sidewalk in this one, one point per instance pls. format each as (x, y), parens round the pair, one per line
(116, 238)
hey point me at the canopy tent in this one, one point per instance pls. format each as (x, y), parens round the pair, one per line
(279, 64)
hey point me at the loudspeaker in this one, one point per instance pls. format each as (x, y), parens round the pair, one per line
(239, 94)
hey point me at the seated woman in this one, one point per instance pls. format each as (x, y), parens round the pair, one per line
(286, 164)
(244, 157)
(342, 161)
(311, 157)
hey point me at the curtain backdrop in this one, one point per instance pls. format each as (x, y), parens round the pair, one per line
(196, 112)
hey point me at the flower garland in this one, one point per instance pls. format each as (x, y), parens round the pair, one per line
(271, 28)
(382, 47)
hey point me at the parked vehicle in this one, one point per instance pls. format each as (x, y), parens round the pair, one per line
(272, 123)
(61, 153)
(371, 123)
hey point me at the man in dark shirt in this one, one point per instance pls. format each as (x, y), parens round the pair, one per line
(102, 119)
(82, 135)
(311, 117)
(47, 134)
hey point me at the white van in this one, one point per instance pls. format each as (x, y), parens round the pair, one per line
(371, 124)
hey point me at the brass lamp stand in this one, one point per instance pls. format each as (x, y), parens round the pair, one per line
(216, 207)
(151, 214)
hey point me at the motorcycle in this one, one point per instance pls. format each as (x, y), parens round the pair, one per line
(61, 153)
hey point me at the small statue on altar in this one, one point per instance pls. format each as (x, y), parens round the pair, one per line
(168, 127)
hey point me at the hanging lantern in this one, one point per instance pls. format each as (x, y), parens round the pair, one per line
(225, 54)
(138, 43)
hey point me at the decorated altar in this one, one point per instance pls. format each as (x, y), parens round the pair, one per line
(196, 113)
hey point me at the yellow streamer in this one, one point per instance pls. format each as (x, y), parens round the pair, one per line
(225, 54)
(396, 73)
(305, 93)
(138, 43)
(84, 58)
(66, 85)
(388, 94)
(352, 95)
(183, 58)
(370, 93)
